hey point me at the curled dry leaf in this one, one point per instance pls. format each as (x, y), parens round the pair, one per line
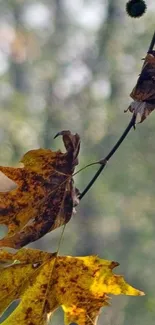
(44, 281)
(144, 91)
(45, 195)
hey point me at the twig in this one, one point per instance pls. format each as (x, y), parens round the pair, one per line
(104, 161)
(152, 43)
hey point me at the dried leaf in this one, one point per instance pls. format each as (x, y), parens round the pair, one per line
(44, 198)
(45, 281)
(144, 91)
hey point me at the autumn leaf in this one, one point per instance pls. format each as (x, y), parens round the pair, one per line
(44, 281)
(144, 91)
(45, 195)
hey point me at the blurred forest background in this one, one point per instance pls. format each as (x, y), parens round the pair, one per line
(71, 64)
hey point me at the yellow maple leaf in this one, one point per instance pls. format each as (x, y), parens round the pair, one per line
(45, 196)
(44, 281)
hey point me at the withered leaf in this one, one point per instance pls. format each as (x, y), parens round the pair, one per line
(144, 91)
(44, 281)
(45, 195)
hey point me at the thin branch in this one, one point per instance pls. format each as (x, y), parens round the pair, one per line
(104, 161)
(152, 44)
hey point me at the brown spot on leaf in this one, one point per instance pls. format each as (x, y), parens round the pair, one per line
(63, 290)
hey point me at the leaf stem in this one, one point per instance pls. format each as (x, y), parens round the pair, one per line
(89, 165)
(104, 161)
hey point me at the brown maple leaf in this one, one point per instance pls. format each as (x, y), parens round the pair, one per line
(144, 91)
(45, 195)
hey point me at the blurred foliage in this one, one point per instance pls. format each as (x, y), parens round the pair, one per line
(71, 65)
